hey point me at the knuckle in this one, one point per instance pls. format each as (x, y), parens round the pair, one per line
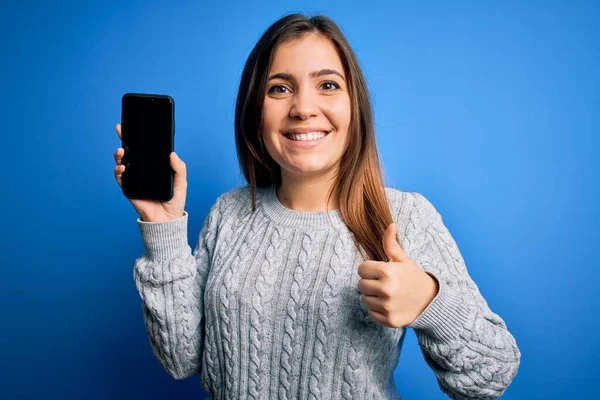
(387, 292)
(387, 307)
(385, 271)
(394, 322)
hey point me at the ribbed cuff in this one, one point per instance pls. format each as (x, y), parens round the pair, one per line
(446, 316)
(164, 240)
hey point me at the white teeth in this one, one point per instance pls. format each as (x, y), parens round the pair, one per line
(308, 136)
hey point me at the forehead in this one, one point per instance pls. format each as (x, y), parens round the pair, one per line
(304, 55)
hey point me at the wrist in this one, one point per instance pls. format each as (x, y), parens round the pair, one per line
(433, 288)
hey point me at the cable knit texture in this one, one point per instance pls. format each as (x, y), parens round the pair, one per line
(266, 306)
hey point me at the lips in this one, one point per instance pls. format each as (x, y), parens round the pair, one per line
(306, 130)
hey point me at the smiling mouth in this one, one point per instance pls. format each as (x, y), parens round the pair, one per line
(307, 137)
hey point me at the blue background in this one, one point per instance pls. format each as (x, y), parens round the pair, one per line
(490, 109)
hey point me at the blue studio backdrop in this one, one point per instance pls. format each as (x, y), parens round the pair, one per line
(490, 109)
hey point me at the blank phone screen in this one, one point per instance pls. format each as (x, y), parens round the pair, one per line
(147, 131)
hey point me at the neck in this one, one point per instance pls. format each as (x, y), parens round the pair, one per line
(307, 195)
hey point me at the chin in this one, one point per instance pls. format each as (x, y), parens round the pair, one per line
(308, 169)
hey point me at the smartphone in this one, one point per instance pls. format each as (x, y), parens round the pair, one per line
(148, 138)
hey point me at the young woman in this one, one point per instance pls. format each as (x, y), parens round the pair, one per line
(303, 282)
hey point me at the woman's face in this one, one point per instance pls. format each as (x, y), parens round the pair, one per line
(305, 93)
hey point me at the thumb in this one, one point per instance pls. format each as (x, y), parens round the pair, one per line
(392, 248)
(179, 167)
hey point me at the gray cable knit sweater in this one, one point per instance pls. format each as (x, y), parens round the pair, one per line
(267, 305)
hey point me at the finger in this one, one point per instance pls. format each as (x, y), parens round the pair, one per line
(180, 179)
(119, 155)
(118, 171)
(391, 246)
(373, 303)
(378, 317)
(118, 128)
(370, 269)
(369, 287)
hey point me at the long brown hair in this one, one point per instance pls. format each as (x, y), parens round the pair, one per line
(359, 184)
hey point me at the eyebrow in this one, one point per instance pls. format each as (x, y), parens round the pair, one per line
(314, 74)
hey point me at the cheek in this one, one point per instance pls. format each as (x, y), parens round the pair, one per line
(267, 117)
(274, 109)
(270, 124)
(339, 113)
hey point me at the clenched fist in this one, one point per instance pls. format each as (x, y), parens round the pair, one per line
(398, 291)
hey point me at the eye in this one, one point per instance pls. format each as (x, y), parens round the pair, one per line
(277, 86)
(334, 84)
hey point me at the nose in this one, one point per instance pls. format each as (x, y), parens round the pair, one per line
(303, 105)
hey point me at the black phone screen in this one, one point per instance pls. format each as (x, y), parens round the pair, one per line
(147, 134)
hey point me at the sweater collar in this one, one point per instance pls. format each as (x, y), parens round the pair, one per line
(282, 215)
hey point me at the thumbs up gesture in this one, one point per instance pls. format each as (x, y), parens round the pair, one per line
(398, 291)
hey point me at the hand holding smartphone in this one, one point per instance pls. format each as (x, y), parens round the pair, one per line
(150, 174)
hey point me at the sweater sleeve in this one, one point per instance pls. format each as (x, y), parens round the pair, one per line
(170, 280)
(468, 346)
